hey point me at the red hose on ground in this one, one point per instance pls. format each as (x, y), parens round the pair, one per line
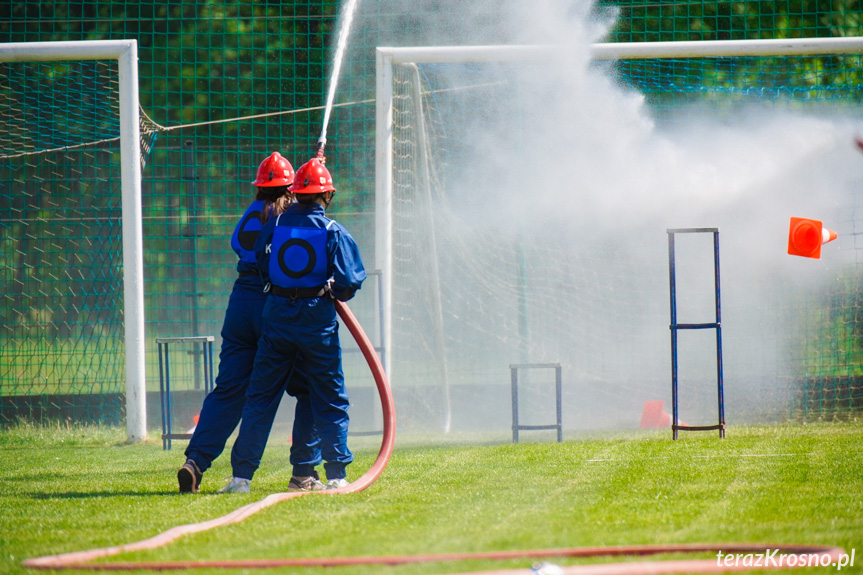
(803, 554)
(75, 558)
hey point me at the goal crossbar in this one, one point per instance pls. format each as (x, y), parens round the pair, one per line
(627, 51)
(125, 52)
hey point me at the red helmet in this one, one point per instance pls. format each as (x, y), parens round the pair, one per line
(313, 178)
(275, 170)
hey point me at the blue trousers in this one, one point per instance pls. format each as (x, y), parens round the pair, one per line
(223, 406)
(298, 335)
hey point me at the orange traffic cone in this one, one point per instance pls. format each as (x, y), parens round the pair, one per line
(654, 415)
(805, 237)
(195, 419)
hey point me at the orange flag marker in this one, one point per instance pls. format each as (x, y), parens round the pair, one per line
(805, 237)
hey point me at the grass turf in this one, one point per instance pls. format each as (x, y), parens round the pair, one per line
(74, 489)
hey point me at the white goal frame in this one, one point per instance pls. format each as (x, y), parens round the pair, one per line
(126, 54)
(387, 57)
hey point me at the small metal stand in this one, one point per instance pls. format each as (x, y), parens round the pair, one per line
(206, 342)
(675, 327)
(516, 427)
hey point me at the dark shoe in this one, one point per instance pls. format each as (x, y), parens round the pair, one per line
(189, 477)
(307, 483)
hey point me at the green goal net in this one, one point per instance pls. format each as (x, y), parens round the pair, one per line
(62, 319)
(530, 200)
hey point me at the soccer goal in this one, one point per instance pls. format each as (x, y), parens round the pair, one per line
(522, 198)
(72, 341)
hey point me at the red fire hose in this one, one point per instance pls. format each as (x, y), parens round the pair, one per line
(76, 558)
(803, 555)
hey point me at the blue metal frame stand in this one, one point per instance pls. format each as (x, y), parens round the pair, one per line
(206, 342)
(675, 327)
(558, 387)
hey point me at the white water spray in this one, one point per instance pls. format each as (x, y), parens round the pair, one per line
(347, 20)
(578, 163)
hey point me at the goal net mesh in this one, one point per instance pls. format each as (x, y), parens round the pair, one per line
(530, 209)
(61, 318)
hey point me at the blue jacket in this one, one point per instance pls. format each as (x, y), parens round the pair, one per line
(303, 248)
(245, 235)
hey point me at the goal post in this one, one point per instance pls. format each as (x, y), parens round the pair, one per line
(386, 58)
(125, 52)
(435, 58)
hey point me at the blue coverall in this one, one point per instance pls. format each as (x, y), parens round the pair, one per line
(298, 253)
(241, 331)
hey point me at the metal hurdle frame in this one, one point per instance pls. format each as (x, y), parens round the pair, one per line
(206, 342)
(675, 327)
(558, 387)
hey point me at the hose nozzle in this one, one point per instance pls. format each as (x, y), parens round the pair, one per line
(319, 154)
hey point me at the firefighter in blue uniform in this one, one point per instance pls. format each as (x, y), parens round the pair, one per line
(223, 407)
(308, 260)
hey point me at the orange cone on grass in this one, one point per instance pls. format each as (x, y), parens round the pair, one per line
(195, 419)
(805, 237)
(654, 415)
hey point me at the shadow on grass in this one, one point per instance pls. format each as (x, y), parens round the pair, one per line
(94, 494)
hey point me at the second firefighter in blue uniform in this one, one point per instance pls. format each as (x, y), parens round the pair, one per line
(222, 408)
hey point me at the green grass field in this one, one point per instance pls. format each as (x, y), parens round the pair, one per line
(74, 489)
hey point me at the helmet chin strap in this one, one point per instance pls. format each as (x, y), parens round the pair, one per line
(327, 198)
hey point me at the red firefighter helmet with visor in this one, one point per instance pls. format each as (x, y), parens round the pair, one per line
(313, 178)
(275, 170)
